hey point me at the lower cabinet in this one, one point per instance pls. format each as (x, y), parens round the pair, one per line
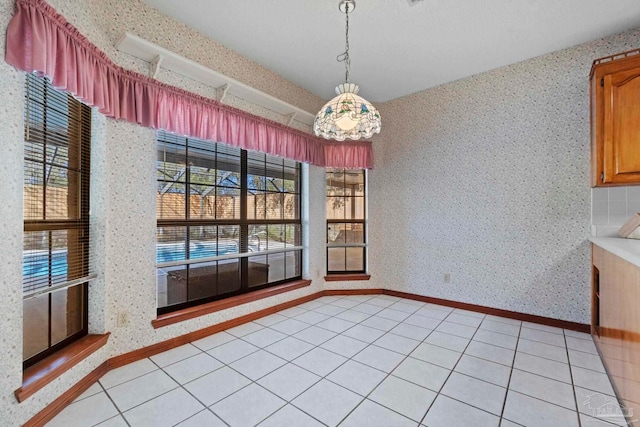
(615, 323)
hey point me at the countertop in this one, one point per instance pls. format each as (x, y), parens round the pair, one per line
(627, 249)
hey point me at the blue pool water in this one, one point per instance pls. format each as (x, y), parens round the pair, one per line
(38, 264)
(167, 253)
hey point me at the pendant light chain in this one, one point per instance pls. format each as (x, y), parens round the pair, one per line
(344, 57)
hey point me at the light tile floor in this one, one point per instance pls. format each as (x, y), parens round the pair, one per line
(360, 361)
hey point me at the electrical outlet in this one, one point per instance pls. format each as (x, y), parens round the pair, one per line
(447, 278)
(123, 319)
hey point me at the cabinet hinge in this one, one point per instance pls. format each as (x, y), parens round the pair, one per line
(602, 82)
(602, 177)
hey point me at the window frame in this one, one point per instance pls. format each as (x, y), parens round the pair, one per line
(242, 222)
(360, 221)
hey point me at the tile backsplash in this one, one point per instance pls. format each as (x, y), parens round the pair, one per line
(613, 206)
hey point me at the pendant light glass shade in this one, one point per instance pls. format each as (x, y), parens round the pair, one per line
(347, 116)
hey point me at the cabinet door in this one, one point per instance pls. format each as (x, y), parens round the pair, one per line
(622, 127)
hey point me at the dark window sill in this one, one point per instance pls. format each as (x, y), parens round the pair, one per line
(212, 307)
(42, 373)
(346, 277)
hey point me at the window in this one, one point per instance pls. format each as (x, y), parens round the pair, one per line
(55, 260)
(228, 221)
(346, 221)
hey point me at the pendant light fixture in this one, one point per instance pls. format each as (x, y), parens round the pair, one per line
(347, 116)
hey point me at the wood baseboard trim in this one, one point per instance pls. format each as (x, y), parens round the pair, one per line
(42, 373)
(133, 356)
(55, 407)
(346, 277)
(212, 307)
(333, 292)
(564, 324)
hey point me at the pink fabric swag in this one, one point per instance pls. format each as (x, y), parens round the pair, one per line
(39, 39)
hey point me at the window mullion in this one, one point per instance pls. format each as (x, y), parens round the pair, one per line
(45, 136)
(187, 213)
(244, 226)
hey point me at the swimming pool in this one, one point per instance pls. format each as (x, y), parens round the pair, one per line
(176, 252)
(37, 264)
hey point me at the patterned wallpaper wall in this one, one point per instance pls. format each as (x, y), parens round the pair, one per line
(487, 179)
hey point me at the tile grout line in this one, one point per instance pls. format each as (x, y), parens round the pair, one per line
(513, 365)
(573, 386)
(197, 413)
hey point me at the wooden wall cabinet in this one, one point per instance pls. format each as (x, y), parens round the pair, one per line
(616, 323)
(615, 120)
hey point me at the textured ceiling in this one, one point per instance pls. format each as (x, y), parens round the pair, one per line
(397, 49)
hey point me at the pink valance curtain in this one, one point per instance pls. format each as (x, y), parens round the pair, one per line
(39, 39)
